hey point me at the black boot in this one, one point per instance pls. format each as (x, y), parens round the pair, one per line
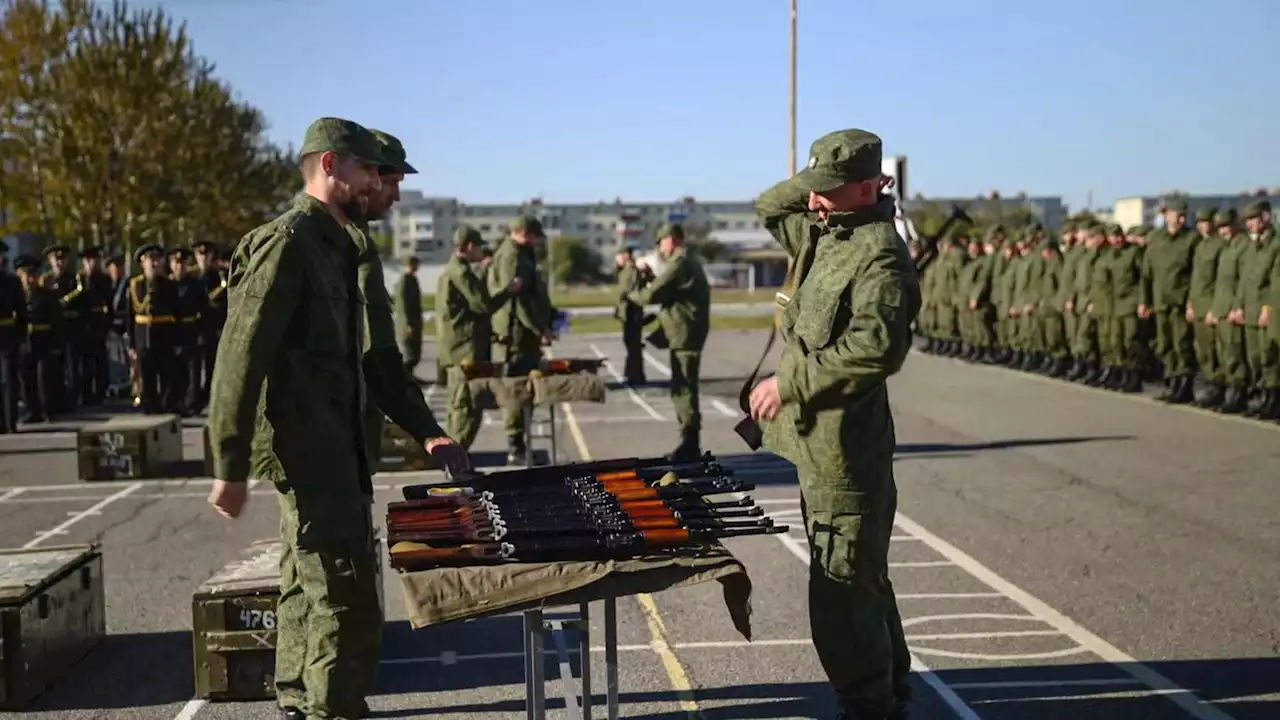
(1235, 401)
(1076, 371)
(1254, 404)
(688, 451)
(1101, 379)
(291, 714)
(1115, 380)
(1132, 382)
(1058, 368)
(1183, 390)
(1270, 407)
(1212, 395)
(1169, 389)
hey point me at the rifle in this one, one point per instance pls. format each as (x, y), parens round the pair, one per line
(648, 468)
(929, 246)
(473, 369)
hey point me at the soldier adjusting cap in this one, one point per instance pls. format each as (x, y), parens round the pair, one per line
(148, 249)
(841, 157)
(393, 151)
(674, 230)
(331, 134)
(467, 235)
(528, 224)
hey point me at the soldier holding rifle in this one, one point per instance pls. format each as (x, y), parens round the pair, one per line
(847, 330)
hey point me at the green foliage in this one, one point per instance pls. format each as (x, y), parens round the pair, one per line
(573, 260)
(117, 133)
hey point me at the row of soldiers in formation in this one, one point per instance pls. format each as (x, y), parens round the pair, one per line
(498, 297)
(56, 328)
(1114, 307)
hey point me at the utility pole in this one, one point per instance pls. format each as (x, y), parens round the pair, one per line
(791, 145)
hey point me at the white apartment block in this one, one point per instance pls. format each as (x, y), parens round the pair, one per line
(1132, 211)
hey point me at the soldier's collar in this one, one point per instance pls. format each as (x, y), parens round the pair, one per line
(881, 211)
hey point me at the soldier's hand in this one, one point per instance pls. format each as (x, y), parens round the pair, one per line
(1071, 306)
(1089, 308)
(448, 454)
(547, 338)
(1210, 319)
(973, 304)
(765, 401)
(1191, 315)
(1144, 312)
(1264, 317)
(229, 498)
(515, 285)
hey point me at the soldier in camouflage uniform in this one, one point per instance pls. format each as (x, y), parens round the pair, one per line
(630, 279)
(1166, 282)
(1233, 374)
(1125, 337)
(1002, 256)
(847, 330)
(684, 297)
(1204, 276)
(524, 322)
(929, 284)
(1026, 270)
(971, 278)
(1052, 335)
(1253, 311)
(1085, 345)
(463, 331)
(1068, 249)
(1101, 306)
(947, 292)
(408, 314)
(295, 340)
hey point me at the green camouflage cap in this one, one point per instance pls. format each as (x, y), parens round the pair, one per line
(1254, 210)
(1225, 217)
(1134, 230)
(993, 230)
(1098, 229)
(841, 157)
(393, 151)
(1144, 230)
(1068, 225)
(675, 230)
(528, 224)
(1176, 204)
(1034, 227)
(1115, 229)
(331, 134)
(1204, 215)
(467, 235)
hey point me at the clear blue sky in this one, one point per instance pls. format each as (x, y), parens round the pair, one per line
(584, 100)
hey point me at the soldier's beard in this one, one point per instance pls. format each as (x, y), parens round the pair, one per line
(356, 209)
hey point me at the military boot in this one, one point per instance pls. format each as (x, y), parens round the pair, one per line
(1269, 409)
(1077, 370)
(292, 714)
(1183, 390)
(1102, 378)
(1058, 368)
(1116, 379)
(1235, 402)
(1212, 395)
(1132, 382)
(1255, 403)
(688, 451)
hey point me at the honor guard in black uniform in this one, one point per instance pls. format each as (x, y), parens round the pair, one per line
(13, 335)
(41, 352)
(64, 281)
(95, 303)
(191, 301)
(212, 317)
(118, 350)
(153, 329)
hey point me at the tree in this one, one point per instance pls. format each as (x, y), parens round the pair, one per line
(574, 261)
(116, 132)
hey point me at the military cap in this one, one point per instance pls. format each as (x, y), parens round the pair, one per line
(1134, 230)
(1204, 215)
(91, 252)
(1176, 204)
(115, 258)
(1115, 229)
(467, 235)
(393, 152)
(675, 230)
(1034, 227)
(148, 249)
(59, 250)
(1097, 229)
(1225, 217)
(26, 262)
(207, 246)
(528, 224)
(841, 157)
(331, 134)
(1256, 209)
(1144, 230)
(179, 252)
(991, 231)
(1068, 225)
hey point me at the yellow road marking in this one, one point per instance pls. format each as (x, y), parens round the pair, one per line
(658, 641)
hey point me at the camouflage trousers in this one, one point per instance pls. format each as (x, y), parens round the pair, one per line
(1175, 342)
(411, 350)
(977, 327)
(1070, 326)
(1263, 356)
(329, 617)
(853, 612)
(686, 367)
(1123, 349)
(1085, 345)
(1053, 334)
(1004, 328)
(1232, 368)
(1029, 336)
(461, 420)
(1206, 344)
(513, 416)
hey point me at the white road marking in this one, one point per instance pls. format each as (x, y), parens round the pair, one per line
(724, 409)
(984, 635)
(93, 510)
(925, 564)
(189, 710)
(1015, 684)
(635, 397)
(657, 364)
(716, 403)
(11, 493)
(1094, 644)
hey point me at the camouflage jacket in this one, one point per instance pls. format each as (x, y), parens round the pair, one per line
(1228, 276)
(1166, 269)
(408, 308)
(463, 310)
(1126, 274)
(1204, 273)
(1256, 263)
(684, 296)
(847, 330)
(532, 306)
(288, 395)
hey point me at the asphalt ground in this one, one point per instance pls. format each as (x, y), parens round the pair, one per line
(1061, 552)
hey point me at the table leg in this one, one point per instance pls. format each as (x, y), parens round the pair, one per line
(584, 657)
(528, 436)
(534, 680)
(552, 410)
(611, 657)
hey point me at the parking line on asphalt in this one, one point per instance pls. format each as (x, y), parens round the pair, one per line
(95, 509)
(11, 493)
(716, 403)
(635, 397)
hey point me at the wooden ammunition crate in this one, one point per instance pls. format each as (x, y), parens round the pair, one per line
(52, 613)
(399, 452)
(129, 446)
(233, 625)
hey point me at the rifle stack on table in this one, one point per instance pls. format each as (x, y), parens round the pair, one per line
(580, 511)
(548, 366)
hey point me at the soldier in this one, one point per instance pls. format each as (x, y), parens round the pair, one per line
(1166, 281)
(847, 329)
(980, 301)
(1119, 325)
(973, 300)
(184, 396)
(1101, 307)
(13, 335)
(630, 279)
(212, 317)
(1066, 285)
(1085, 348)
(684, 296)
(1233, 373)
(408, 314)
(1026, 282)
(40, 378)
(119, 312)
(65, 283)
(946, 292)
(1001, 292)
(95, 303)
(393, 391)
(464, 332)
(1204, 275)
(1252, 310)
(524, 322)
(153, 329)
(1077, 301)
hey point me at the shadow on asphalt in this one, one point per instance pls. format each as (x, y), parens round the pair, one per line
(126, 671)
(953, 448)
